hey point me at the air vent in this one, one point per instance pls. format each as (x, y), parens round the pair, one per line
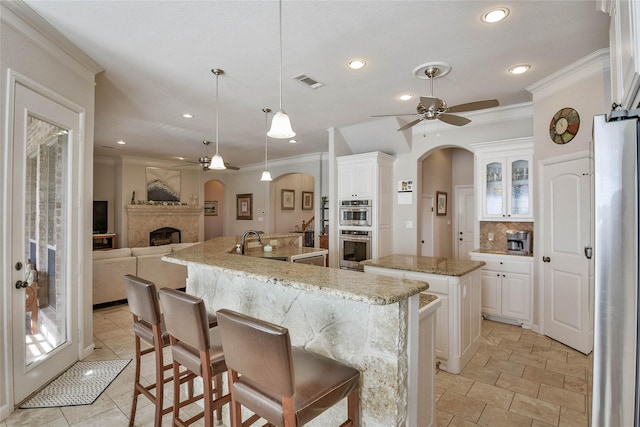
(308, 81)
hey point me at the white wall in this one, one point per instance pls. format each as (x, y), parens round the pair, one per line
(70, 74)
(213, 224)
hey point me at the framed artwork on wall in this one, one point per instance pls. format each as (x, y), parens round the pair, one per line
(244, 206)
(441, 203)
(307, 200)
(288, 198)
(163, 185)
(211, 208)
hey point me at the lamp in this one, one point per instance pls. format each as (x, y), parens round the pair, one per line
(216, 161)
(266, 175)
(281, 125)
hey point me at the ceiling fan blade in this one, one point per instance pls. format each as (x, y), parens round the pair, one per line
(430, 102)
(454, 120)
(230, 166)
(394, 115)
(471, 106)
(408, 125)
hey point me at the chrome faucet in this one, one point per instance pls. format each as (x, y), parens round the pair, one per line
(244, 236)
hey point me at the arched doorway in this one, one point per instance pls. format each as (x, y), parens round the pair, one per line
(214, 209)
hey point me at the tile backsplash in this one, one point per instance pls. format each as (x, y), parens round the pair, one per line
(499, 230)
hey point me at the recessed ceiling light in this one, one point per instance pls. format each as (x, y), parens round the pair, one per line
(121, 142)
(405, 96)
(519, 69)
(188, 116)
(356, 64)
(293, 141)
(495, 15)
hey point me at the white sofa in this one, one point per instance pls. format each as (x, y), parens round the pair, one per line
(110, 266)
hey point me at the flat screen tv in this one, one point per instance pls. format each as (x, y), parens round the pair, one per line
(100, 216)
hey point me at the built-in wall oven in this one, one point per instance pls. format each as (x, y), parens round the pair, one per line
(355, 246)
(355, 213)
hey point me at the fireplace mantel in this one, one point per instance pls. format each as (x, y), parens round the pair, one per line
(143, 219)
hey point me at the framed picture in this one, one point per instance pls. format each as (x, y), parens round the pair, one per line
(288, 199)
(307, 200)
(244, 206)
(163, 185)
(211, 207)
(441, 203)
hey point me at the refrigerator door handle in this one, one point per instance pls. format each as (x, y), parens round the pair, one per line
(588, 252)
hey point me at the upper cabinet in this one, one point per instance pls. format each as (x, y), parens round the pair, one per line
(504, 179)
(356, 178)
(624, 43)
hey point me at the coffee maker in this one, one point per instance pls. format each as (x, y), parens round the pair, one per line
(518, 242)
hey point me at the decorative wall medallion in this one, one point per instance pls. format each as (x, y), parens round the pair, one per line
(564, 125)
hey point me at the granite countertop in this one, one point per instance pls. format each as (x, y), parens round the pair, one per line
(353, 285)
(498, 252)
(286, 252)
(423, 264)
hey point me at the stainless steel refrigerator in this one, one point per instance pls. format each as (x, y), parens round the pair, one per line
(616, 327)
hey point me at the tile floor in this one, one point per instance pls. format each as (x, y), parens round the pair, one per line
(517, 378)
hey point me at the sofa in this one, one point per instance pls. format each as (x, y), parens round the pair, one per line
(110, 266)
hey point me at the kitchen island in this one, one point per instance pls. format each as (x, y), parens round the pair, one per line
(367, 321)
(458, 284)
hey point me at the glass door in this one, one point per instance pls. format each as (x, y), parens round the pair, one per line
(494, 190)
(43, 298)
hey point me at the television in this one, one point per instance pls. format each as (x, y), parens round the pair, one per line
(100, 217)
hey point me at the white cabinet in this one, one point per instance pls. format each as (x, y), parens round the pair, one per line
(624, 47)
(458, 318)
(356, 178)
(506, 287)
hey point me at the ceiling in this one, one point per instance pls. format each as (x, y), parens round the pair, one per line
(157, 58)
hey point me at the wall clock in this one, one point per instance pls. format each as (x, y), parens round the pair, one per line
(564, 125)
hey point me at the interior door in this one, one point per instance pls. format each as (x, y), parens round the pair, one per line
(43, 286)
(426, 225)
(465, 218)
(568, 285)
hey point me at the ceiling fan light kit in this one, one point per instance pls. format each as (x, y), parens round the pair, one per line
(217, 163)
(280, 124)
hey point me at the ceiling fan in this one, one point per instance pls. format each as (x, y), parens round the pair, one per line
(431, 108)
(205, 161)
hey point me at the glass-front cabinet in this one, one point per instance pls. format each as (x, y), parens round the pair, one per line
(506, 185)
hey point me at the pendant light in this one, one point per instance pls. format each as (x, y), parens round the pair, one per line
(216, 161)
(266, 175)
(281, 125)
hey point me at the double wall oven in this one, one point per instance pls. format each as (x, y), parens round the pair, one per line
(355, 233)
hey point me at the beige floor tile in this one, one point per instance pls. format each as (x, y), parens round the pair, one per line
(518, 385)
(492, 417)
(535, 408)
(575, 384)
(515, 345)
(113, 417)
(460, 406)
(480, 359)
(538, 423)
(480, 373)
(506, 366)
(562, 397)
(491, 395)
(491, 340)
(529, 359)
(455, 383)
(566, 369)
(536, 340)
(461, 422)
(443, 418)
(580, 359)
(508, 334)
(572, 418)
(76, 414)
(543, 376)
(35, 417)
(495, 351)
(550, 353)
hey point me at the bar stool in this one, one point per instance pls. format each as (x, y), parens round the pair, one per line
(288, 386)
(198, 349)
(149, 326)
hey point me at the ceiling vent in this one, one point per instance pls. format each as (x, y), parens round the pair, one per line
(308, 81)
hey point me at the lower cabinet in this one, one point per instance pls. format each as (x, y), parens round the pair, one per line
(507, 294)
(457, 319)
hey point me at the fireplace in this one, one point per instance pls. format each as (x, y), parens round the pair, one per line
(165, 236)
(144, 219)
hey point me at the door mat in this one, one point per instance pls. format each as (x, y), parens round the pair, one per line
(81, 384)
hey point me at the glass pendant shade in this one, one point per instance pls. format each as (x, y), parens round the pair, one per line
(266, 176)
(217, 162)
(281, 126)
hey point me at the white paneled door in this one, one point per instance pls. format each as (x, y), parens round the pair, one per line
(426, 226)
(567, 272)
(44, 284)
(465, 218)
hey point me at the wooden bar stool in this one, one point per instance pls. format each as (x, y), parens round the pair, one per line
(149, 326)
(287, 386)
(197, 348)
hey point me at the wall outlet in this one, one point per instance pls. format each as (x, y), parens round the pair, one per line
(491, 237)
(408, 224)
(260, 219)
